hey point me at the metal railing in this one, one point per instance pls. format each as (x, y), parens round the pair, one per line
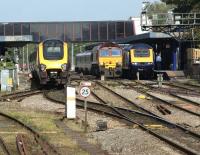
(165, 19)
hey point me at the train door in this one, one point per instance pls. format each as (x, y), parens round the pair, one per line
(166, 55)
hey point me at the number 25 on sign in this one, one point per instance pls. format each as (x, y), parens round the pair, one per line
(85, 92)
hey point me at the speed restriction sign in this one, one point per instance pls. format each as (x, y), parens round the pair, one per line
(85, 91)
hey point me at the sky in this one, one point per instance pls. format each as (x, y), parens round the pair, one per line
(68, 10)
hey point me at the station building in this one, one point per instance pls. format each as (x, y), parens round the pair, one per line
(178, 57)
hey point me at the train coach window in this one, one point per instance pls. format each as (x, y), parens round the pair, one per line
(141, 53)
(104, 53)
(116, 52)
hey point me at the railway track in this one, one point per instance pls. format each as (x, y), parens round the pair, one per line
(193, 85)
(173, 134)
(175, 92)
(171, 89)
(45, 147)
(4, 147)
(186, 87)
(125, 101)
(19, 95)
(180, 103)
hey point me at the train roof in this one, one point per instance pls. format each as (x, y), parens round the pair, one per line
(101, 45)
(138, 45)
(108, 44)
(84, 53)
(53, 39)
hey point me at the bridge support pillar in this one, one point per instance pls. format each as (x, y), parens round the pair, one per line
(174, 57)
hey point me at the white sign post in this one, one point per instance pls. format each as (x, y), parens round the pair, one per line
(70, 111)
(85, 92)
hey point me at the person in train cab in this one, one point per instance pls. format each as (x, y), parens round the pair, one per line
(158, 61)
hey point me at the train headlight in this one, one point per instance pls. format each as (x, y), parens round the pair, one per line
(135, 63)
(149, 63)
(42, 67)
(64, 67)
(102, 64)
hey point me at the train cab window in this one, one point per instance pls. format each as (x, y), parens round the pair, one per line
(116, 52)
(53, 50)
(104, 53)
(141, 53)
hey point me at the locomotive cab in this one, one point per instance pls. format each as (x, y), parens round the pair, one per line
(138, 58)
(51, 60)
(110, 60)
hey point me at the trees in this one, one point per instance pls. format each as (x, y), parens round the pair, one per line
(158, 7)
(184, 6)
(157, 12)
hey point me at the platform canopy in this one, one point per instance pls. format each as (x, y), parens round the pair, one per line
(145, 37)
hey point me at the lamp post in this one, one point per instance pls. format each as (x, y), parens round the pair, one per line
(72, 57)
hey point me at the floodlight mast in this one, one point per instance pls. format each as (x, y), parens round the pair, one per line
(144, 19)
(145, 5)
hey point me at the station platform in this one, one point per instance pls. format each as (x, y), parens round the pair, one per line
(170, 75)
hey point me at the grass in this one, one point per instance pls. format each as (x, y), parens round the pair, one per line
(45, 123)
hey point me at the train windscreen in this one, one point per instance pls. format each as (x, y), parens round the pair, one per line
(104, 53)
(141, 53)
(53, 50)
(116, 52)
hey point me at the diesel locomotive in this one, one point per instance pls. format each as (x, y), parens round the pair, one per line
(49, 63)
(138, 58)
(102, 59)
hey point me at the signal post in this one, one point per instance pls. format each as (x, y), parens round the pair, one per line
(85, 92)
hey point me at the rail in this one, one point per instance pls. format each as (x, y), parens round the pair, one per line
(144, 121)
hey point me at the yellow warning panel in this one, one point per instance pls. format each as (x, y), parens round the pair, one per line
(10, 82)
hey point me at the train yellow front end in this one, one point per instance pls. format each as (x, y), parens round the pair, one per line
(102, 59)
(138, 58)
(52, 62)
(110, 61)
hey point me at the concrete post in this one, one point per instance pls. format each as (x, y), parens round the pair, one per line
(138, 75)
(27, 59)
(23, 59)
(72, 57)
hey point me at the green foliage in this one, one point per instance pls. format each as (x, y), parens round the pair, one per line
(7, 61)
(184, 6)
(158, 7)
(157, 12)
(6, 65)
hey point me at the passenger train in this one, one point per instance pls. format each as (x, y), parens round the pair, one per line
(138, 58)
(102, 59)
(50, 62)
